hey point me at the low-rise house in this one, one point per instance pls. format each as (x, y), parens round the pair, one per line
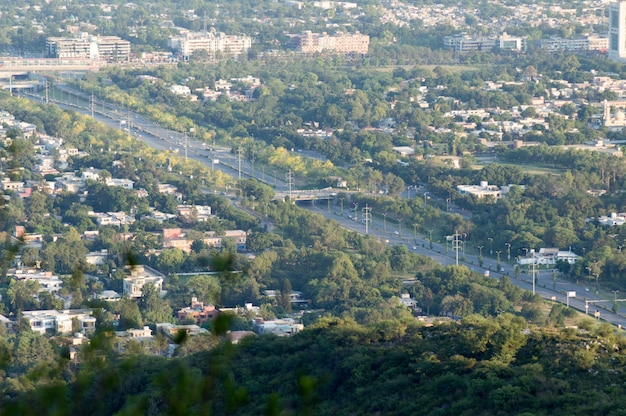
(46, 280)
(281, 327)
(200, 213)
(91, 174)
(97, 257)
(480, 191)
(410, 303)
(614, 219)
(139, 276)
(167, 189)
(122, 183)
(108, 296)
(13, 186)
(198, 311)
(548, 256)
(170, 330)
(70, 183)
(295, 297)
(159, 216)
(122, 338)
(116, 219)
(60, 321)
(176, 238)
(8, 324)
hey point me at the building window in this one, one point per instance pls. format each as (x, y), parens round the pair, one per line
(614, 18)
(613, 41)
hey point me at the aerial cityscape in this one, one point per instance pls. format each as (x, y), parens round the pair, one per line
(312, 207)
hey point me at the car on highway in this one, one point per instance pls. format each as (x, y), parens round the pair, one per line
(396, 233)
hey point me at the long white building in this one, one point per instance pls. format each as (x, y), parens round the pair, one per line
(212, 42)
(107, 48)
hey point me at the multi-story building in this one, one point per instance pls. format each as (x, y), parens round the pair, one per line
(212, 42)
(198, 311)
(309, 42)
(464, 43)
(617, 30)
(60, 322)
(107, 48)
(580, 44)
(139, 276)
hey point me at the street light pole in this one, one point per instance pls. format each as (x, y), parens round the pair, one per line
(425, 193)
(385, 222)
(341, 201)
(431, 238)
(400, 227)
(498, 261)
(480, 255)
(415, 233)
(508, 250)
(490, 246)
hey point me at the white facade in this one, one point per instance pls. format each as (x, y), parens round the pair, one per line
(212, 42)
(60, 322)
(139, 276)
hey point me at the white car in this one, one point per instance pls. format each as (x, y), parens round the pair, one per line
(396, 233)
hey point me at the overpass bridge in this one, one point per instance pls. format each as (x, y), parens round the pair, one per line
(307, 195)
(12, 66)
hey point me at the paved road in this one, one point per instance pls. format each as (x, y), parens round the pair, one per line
(385, 230)
(421, 245)
(164, 139)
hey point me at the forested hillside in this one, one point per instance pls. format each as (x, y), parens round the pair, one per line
(478, 366)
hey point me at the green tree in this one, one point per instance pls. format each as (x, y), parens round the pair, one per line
(154, 309)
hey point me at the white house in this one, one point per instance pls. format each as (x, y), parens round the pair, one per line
(139, 276)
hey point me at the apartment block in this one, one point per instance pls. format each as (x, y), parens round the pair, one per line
(309, 42)
(107, 48)
(212, 42)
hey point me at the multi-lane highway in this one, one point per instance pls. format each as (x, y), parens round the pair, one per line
(421, 245)
(385, 230)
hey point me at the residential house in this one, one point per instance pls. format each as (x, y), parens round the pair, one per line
(122, 183)
(198, 311)
(60, 321)
(139, 276)
(281, 327)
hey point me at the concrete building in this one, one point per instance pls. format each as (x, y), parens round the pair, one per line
(60, 322)
(617, 30)
(464, 43)
(480, 191)
(212, 42)
(107, 48)
(579, 44)
(198, 311)
(139, 276)
(548, 256)
(309, 42)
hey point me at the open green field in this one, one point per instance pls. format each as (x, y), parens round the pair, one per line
(534, 168)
